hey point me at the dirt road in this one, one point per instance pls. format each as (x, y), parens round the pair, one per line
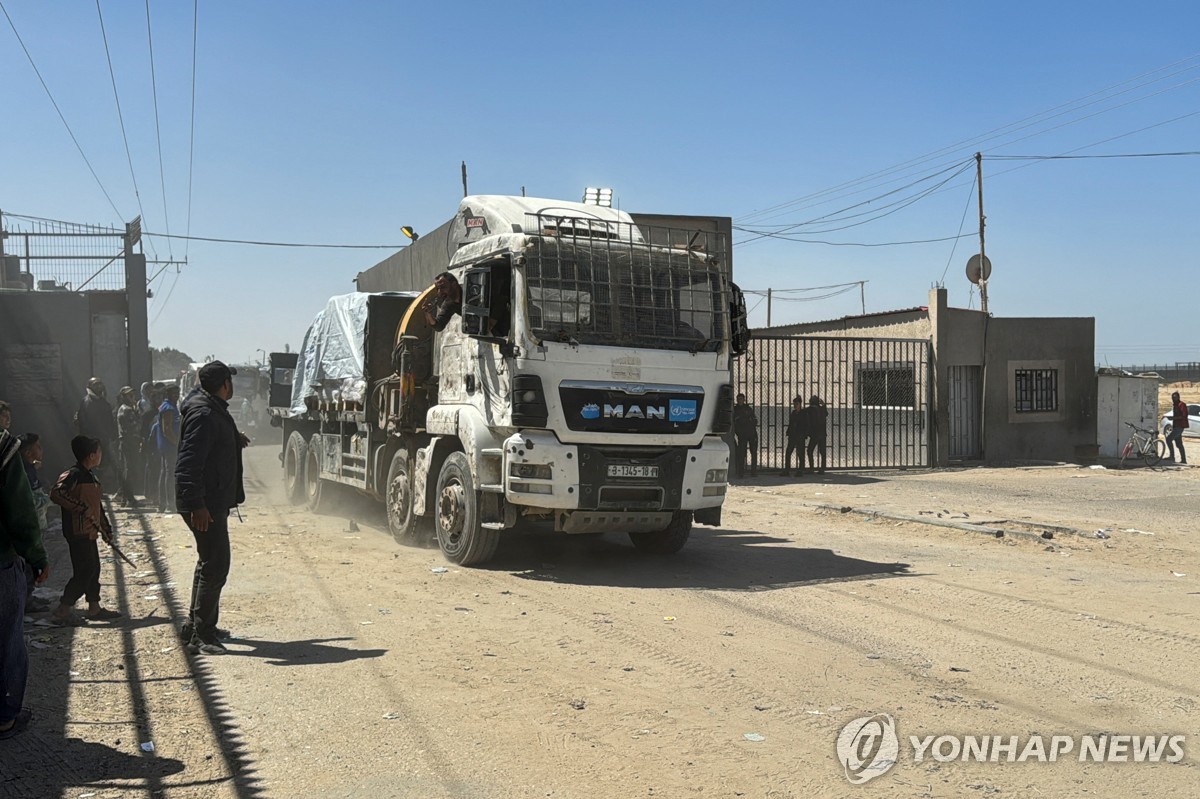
(577, 668)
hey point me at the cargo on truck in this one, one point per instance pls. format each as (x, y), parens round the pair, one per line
(585, 387)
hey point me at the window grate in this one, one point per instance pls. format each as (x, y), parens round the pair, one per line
(1036, 390)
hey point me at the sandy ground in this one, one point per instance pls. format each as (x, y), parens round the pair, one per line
(577, 668)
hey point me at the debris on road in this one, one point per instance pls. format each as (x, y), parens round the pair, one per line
(755, 737)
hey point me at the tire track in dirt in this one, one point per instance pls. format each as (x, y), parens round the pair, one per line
(1173, 639)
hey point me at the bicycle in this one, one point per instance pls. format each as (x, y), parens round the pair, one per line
(1145, 444)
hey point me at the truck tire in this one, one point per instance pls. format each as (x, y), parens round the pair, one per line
(405, 526)
(456, 515)
(668, 541)
(294, 456)
(318, 493)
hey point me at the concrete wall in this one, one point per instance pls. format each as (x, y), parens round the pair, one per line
(45, 362)
(1064, 344)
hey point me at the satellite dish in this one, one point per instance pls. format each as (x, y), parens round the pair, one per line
(975, 272)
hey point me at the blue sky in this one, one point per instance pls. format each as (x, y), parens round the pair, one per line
(339, 123)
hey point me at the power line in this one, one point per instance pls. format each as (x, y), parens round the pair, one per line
(1028, 121)
(798, 240)
(192, 134)
(275, 243)
(961, 222)
(896, 206)
(158, 131)
(60, 113)
(1064, 157)
(232, 241)
(121, 117)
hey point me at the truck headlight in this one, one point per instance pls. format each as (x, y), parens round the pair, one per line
(530, 471)
(716, 475)
(714, 491)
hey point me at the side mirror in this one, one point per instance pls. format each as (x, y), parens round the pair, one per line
(739, 328)
(477, 301)
(486, 308)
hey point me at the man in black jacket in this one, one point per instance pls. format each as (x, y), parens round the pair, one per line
(208, 483)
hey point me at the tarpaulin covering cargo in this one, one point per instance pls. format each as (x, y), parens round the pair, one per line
(331, 366)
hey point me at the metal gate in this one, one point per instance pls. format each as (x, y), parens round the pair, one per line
(877, 393)
(965, 409)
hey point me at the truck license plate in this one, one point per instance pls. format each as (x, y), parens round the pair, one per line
(630, 470)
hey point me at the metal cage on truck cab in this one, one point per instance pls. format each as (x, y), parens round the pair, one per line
(612, 283)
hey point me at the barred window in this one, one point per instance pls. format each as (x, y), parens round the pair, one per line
(1036, 390)
(887, 386)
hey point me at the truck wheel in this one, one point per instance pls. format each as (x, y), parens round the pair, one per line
(406, 527)
(318, 493)
(668, 541)
(294, 456)
(456, 515)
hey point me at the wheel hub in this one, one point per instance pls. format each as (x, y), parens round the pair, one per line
(451, 505)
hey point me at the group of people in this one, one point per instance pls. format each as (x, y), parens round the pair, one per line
(805, 433)
(203, 470)
(145, 432)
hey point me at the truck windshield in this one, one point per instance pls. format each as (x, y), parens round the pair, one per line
(625, 293)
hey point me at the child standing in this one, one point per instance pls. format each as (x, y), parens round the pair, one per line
(84, 520)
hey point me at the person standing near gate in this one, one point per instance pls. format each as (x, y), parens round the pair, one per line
(1179, 423)
(797, 431)
(168, 444)
(745, 435)
(818, 416)
(208, 483)
(129, 446)
(94, 418)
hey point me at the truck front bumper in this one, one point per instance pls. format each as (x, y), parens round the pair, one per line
(541, 472)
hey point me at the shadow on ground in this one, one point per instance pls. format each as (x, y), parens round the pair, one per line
(714, 559)
(300, 653)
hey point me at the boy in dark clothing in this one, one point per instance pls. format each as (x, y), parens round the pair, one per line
(745, 434)
(20, 548)
(797, 431)
(78, 493)
(818, 415)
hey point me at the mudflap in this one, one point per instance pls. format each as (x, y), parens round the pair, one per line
(709, 516)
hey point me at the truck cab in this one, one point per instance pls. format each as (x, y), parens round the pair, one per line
(585, 387)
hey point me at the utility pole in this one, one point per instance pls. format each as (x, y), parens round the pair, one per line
(768, 307)
(464, 177)
(862, 295)
(982, 256)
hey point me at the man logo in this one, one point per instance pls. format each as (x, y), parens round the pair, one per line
(868, 747)
(590, 411)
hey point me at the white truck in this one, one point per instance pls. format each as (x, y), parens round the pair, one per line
(584, 388)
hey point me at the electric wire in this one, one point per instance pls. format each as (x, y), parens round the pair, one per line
(1064, 157)
(1028, 121)
(963, 221)
(158, 131)
(53, 102)
(121, 119)
(192, 133)
(895, 207)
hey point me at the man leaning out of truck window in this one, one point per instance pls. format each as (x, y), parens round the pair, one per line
(449, 302)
